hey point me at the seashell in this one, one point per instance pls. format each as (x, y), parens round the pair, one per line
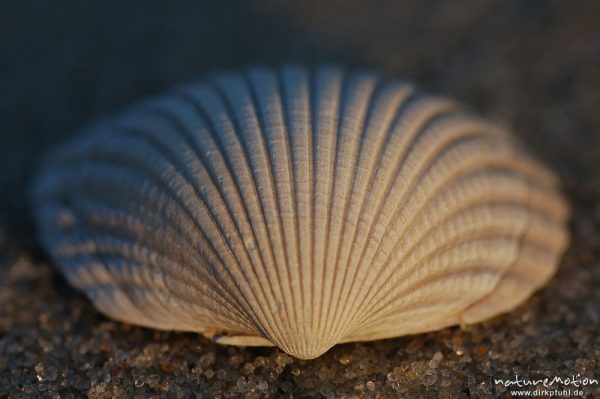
(300, 208)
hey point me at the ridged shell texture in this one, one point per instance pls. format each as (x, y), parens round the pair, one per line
(300, 208)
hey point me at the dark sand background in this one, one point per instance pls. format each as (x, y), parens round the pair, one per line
(532, 65)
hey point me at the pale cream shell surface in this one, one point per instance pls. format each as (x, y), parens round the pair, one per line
(300, 208)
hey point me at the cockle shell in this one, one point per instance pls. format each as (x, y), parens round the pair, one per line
(300, 208)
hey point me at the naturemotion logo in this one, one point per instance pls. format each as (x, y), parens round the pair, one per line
(557, 386)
